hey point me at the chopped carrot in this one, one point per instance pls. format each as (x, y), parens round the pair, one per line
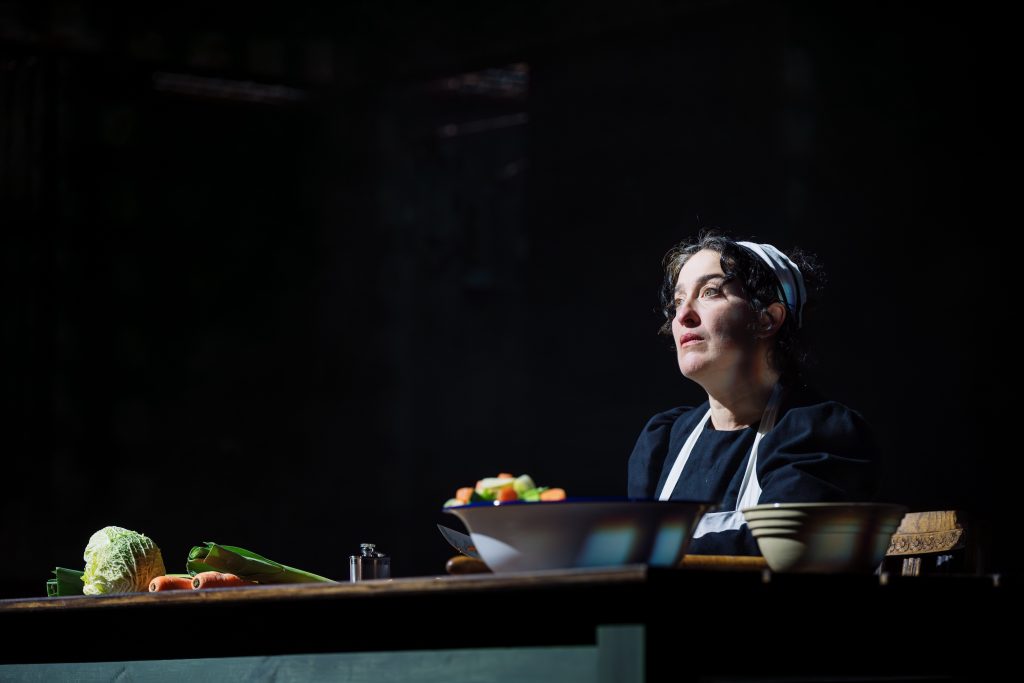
(553, 494)
(507, 493)
(464, 494)
(217, 580)
(170, 583)
(505, 475)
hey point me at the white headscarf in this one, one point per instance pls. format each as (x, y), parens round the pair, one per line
(791, 281)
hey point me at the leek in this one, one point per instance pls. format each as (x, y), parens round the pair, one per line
(66, 582)
(245, 564)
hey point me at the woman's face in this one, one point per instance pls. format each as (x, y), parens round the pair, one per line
(714, 322)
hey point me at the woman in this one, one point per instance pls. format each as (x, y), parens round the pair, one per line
(734, 310)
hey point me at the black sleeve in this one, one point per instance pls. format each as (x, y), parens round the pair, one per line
(821, 453)
(649, 454)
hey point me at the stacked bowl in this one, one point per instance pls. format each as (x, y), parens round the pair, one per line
(824, 537)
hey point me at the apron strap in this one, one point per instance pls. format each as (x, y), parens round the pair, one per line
(684, 455)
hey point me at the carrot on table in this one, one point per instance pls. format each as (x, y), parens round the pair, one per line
(464, 495)
(507, 493)
(553, 494)
(505, 475)
(217, 580)
(170, 583)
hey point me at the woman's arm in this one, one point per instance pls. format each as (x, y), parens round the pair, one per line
(820, 453)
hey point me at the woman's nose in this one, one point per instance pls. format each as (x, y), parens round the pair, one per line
(686, 315)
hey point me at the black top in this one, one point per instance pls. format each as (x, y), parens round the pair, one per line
(818, 451)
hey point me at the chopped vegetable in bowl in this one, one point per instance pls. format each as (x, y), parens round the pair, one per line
(505, 488)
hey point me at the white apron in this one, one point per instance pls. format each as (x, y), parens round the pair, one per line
(750, 489)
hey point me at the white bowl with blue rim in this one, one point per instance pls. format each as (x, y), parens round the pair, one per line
(580, 532)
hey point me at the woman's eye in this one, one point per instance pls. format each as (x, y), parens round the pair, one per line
(709, 292)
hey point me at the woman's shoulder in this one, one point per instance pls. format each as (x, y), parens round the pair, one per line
(806, 403)
(819, 450)
(808, 417)
(652, 448)
(668, 425)
(669, 417)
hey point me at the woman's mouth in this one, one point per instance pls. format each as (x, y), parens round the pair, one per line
(688, 339)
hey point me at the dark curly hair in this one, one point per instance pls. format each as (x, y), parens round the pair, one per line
(760, 285)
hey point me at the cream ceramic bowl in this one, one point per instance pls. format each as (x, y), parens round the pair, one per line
(823, 537)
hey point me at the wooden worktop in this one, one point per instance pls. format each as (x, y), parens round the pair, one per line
(841, 624)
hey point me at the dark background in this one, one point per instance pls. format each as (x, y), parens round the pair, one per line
(286, 278)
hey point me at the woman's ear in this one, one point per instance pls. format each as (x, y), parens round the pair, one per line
(772, 319)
